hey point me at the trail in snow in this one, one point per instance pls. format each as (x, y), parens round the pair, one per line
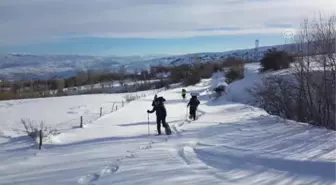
(90, 179)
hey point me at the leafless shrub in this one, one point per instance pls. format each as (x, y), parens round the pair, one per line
(233, 62)
(276, 95)
(32, 128)
(234, 69)
(130, 97)
(275, 60)
(193, 78)
(7, 95)
(234, 73)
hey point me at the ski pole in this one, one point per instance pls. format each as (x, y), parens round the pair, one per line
(148, 123)
(187, 114)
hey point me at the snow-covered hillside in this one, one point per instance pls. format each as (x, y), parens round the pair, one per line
(23, 66)
(229, 143)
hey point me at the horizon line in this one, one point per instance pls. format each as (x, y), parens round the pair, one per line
(145, 55)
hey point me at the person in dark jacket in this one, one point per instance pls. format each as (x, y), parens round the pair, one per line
(155, 98)
(184, 92)
(193, 103)
(161, 114)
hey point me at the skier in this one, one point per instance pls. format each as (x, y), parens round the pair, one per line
(161, 115)
(184, 92)
(193, 103)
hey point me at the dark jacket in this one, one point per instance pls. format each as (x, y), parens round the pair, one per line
(194, 102)
(159, 99)
(159, 108)
(155, 98)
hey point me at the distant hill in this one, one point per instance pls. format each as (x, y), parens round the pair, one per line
(25, 66)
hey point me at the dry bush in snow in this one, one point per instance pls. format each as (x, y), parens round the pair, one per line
(32, 129)
(276, 60)
(277, 95)
(130, 97)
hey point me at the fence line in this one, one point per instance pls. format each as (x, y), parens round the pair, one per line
(81, 121)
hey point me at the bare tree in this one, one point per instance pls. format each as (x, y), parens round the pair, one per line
(122, 75)
(81, 78)
(307, 94)
(60, 84)
(315, 71)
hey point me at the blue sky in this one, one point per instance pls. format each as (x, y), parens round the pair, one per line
(142, 27)
(143, 46)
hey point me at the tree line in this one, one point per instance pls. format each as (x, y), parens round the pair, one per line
(186, 74)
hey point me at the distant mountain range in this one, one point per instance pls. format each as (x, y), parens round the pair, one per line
(26, 66)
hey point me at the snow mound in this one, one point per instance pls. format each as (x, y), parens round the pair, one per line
(218, 79)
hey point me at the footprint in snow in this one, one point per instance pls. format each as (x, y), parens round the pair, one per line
(180, 124)
(89, 179)
(109, 169)
(131, 154)
(146, 147)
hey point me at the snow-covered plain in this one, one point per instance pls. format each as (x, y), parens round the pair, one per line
(230, 143)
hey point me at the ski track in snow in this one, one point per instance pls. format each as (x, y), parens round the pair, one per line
(188, 156)
(186, 153)
(91, 179)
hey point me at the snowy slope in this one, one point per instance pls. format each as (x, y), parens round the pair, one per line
(230, 143)
(237, 90)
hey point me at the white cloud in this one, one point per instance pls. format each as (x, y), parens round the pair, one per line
(42, 20)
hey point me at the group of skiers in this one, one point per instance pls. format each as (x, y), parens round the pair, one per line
(161, 112)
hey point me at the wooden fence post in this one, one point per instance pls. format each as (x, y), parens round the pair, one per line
(81, 122)
(41, 136)
(101, 111)
(117, 107)
(112, 107)
(122, 103)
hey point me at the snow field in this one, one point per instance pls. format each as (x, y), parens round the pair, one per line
(229, 143)
(61, 113)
